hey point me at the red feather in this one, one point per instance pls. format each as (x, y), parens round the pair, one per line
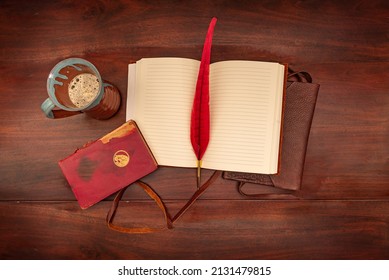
(199, 129)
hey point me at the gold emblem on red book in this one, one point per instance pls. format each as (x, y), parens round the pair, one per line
(121, 158)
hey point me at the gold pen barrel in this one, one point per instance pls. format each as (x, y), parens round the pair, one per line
(199, 162)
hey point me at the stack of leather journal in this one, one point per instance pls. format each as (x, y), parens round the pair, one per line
(259, 130)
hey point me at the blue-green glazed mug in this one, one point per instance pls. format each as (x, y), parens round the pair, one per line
(75, 86)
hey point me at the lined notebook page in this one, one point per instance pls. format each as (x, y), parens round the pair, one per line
(165, 89)
(246, 107)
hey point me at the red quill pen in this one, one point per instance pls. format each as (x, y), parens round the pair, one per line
(199, 129)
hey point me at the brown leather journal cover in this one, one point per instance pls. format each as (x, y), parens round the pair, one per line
(300, 104)
(108, 164)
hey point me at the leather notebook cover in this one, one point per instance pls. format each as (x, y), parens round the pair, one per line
(299, 108)
(107, 165)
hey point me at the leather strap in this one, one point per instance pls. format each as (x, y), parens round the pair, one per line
(300, 76)
(196, 195)
(286, 194)
(161, 205)
(154, 196)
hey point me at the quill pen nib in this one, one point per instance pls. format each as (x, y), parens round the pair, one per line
(199, 173)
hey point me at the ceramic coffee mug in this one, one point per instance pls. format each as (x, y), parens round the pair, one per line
(75, 86)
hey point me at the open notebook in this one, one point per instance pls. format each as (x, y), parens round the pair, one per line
(246, 104)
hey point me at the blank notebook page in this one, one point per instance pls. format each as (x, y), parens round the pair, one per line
(246, 107)
(165, 90)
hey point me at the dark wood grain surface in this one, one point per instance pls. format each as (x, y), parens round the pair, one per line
(344, 210)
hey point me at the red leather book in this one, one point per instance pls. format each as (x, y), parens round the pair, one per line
(108, 164)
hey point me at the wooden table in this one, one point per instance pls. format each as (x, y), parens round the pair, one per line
(344, 210)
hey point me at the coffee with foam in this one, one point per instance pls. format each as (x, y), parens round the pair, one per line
(83, 89)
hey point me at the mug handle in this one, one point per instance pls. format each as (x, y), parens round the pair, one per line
(48, 106)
